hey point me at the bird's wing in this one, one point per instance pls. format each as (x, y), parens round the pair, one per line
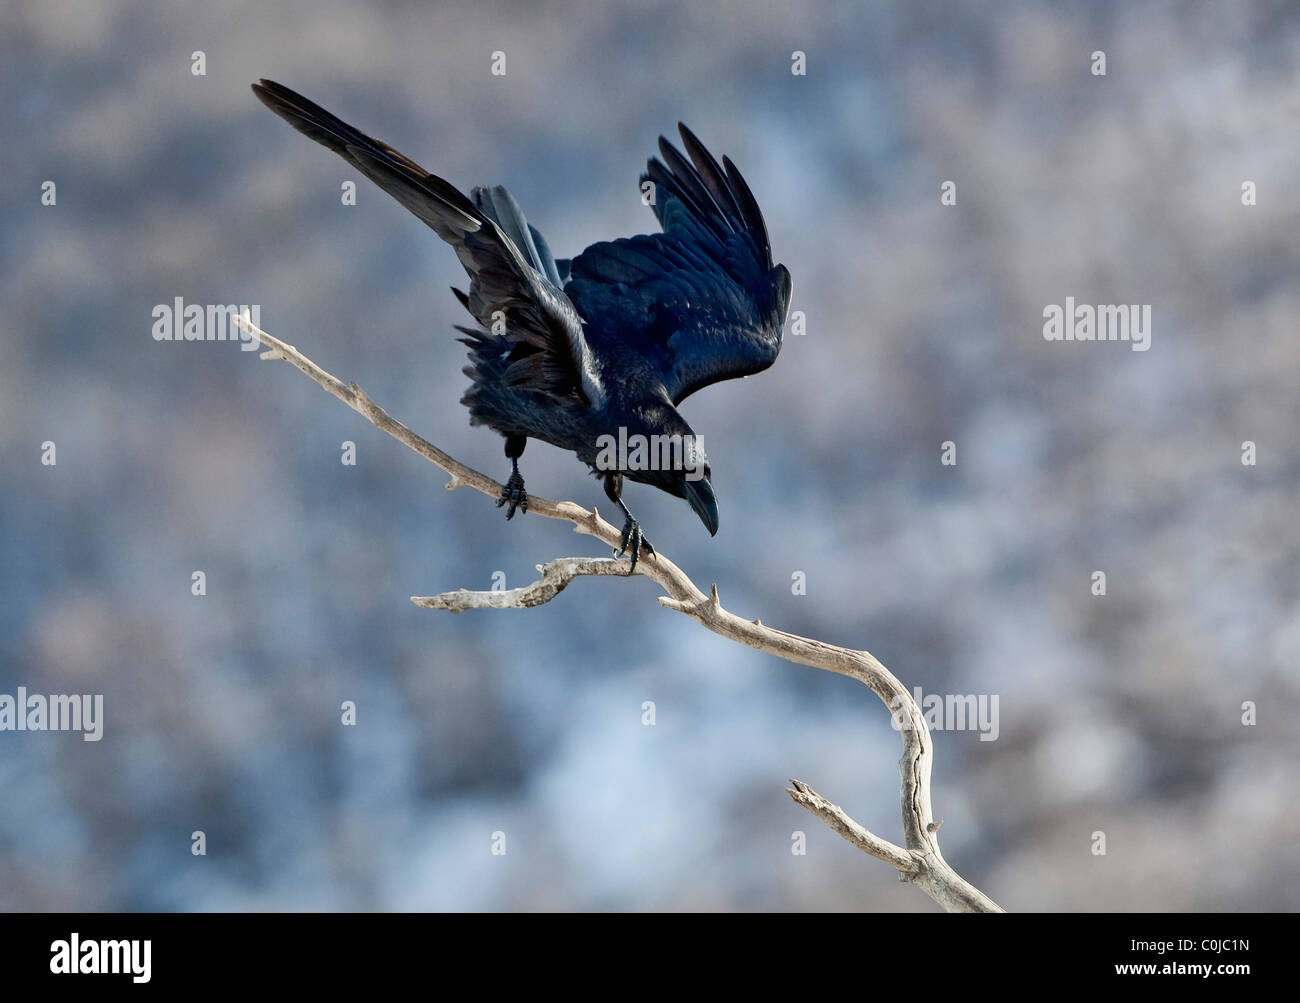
(512, 289)
(702, 300)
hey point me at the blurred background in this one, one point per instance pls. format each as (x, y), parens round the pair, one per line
(1119, 714)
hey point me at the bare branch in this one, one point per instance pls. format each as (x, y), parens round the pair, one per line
(920, 862)
(866, 841)
(555, 577)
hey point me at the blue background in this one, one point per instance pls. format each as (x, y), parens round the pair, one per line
(1118, 714)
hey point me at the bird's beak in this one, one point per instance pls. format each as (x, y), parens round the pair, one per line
(700, 495)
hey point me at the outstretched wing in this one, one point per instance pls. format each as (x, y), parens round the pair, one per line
(511, 282)
(702, 300)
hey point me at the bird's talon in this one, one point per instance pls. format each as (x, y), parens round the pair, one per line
(514, 494)
(631, 543)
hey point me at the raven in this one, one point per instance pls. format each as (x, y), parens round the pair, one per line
(602, 348)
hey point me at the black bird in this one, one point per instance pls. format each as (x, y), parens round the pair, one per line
(596, 352)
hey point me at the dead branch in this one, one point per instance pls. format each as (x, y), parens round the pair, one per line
(918, 861)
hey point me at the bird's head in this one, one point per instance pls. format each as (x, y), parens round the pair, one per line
(693, 481)
(699, 493)
(663, 451)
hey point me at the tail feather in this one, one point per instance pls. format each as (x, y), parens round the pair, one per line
(512, 272)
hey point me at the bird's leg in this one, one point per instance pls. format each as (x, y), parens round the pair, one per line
(513, 492)
(631, 528)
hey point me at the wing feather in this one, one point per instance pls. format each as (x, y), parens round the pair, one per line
(702, 300)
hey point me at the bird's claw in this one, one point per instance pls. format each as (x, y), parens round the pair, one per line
(632, 537)
(515, 495)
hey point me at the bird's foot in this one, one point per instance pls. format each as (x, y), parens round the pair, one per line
(513, 494)
(632, 538)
